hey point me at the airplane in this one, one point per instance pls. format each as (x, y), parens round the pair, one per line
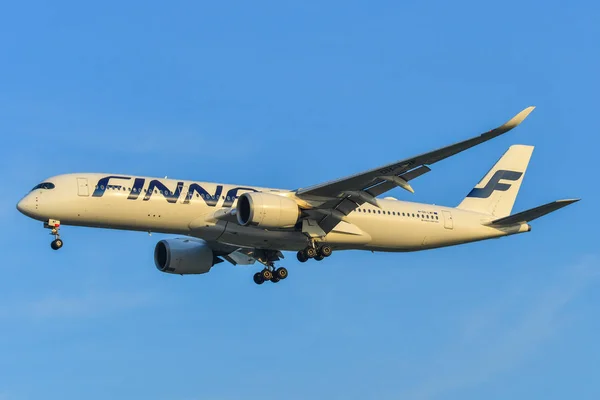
(245, 224)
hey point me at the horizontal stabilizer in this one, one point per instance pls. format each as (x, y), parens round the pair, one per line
(534, 213)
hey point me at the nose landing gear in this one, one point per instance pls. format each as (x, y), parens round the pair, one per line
(56, 244)
(54, 226)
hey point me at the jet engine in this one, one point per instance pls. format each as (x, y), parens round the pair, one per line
(183, 256)
(267, 210)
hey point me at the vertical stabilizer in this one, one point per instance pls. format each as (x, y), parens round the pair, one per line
(497, 191)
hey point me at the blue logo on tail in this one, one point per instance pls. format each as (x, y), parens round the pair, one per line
(494, 184)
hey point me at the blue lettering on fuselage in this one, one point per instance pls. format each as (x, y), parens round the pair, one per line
(136, 190)
(163, 190)
(103, 184)
(156, 185)
(210, 200)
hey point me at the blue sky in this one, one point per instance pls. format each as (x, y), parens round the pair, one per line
(289, 94)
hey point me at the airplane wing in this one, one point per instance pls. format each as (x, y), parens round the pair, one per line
(341, 196)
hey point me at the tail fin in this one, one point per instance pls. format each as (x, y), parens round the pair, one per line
(497, 191)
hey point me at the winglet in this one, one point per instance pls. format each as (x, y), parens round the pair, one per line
(517, 119)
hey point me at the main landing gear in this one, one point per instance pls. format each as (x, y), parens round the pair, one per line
(269, 273)
(318, 253)
(54, 226)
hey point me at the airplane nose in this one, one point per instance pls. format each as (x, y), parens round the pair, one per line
(26, 206)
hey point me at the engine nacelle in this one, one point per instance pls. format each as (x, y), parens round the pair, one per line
(267, 210)
(183, 256)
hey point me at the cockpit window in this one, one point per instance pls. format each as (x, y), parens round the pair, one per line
(44, 185)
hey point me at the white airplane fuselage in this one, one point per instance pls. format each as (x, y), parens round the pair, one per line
(188, 208)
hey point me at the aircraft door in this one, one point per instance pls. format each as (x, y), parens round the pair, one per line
(82, 187)
(448, 221)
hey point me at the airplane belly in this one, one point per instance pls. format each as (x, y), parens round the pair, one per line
(206, 229)
(237, 235)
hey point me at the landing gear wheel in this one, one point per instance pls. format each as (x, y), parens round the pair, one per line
(325, 251)
(301, 255)
(54, 226)
(281, 273)
(319, 257)
(311, 252)
(275, 279)
(258, 279)
(56, 244)
(267, 275)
